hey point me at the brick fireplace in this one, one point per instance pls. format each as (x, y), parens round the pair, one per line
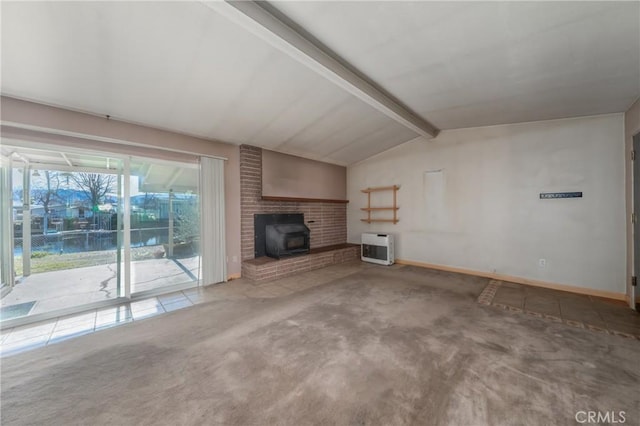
(326, 220)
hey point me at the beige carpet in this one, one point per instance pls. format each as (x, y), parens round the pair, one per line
(382, 346)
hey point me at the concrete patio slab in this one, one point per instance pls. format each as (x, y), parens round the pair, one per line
(63, 289)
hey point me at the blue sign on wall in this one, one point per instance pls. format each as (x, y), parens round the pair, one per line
(547, 195)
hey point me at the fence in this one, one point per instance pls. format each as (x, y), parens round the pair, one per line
(89, 240)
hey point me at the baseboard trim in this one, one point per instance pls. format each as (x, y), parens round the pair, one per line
(518, 280)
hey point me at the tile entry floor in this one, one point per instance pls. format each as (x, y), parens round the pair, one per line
(32, 336)
(576, 310)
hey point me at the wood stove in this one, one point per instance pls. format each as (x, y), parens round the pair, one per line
(280, 235)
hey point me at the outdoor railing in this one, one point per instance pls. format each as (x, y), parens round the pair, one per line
(91, 240)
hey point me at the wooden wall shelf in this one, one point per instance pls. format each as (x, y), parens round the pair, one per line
(302, 200)
(370, 209)
(382, 188)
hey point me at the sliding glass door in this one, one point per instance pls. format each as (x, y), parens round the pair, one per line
(165, 225)
(66, 233)
(91, 230)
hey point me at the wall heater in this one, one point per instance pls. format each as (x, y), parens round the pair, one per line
(378, 248)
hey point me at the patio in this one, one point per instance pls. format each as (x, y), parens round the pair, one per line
(68, 288)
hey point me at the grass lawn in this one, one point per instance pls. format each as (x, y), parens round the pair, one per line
(46, 262)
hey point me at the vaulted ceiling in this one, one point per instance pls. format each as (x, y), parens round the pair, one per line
(333, 81)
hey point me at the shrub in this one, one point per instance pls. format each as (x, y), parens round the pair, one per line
(39, 254)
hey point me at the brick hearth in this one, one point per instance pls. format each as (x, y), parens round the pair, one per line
(266, 268)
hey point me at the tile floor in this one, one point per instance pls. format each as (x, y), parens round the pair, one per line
(32, 336)
(577, 310)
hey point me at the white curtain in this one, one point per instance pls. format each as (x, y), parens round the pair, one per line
(212, 246)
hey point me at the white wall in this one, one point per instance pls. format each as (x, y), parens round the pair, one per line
(483, 212)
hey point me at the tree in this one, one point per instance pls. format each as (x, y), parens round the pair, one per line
(17, 195)
(150, 201)
(95, 187)
(48, 195)
(188, 222)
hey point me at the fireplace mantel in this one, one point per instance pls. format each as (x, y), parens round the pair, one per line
(303, 200)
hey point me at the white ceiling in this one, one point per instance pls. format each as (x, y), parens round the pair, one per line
(183, 67)
(467, 64)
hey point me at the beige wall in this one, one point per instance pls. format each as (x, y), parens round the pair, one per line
(631, 128)
(469, 199)
(285, 175)
(94, 132)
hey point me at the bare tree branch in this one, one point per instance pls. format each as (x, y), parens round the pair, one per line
(94, 185)
(47, 196)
